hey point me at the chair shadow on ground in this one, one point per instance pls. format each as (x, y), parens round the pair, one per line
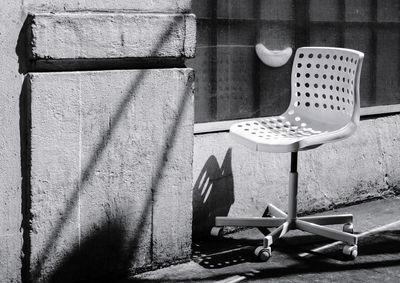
(376, 250)
(219, 253)
(213, 194)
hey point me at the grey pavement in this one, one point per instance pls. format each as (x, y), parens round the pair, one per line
(299, 257)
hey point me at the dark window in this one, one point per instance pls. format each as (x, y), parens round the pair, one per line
(232, 83)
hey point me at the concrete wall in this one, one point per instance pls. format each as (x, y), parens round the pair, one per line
(230, 179)
(111, 150)
(10, 144)
(111, 154)
(88, 170)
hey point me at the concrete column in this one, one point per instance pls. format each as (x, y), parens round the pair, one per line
(111, 149)
(111, 171)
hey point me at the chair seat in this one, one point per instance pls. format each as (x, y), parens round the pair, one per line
(279, 134)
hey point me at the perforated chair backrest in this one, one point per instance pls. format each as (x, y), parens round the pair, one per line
(325, 85)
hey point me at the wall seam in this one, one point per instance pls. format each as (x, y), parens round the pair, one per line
(80, 163)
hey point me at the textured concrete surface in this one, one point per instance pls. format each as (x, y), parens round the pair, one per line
(111, 171)
(164, 6)
(10, 145)
(10, 256)
(232, 260)
(361, 167)
(14, 127)
(112, 35)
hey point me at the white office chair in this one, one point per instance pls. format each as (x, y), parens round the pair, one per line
(324, 107)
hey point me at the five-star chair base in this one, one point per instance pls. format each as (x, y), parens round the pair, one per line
(283, 222)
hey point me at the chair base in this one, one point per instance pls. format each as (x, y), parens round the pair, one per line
(283, 224)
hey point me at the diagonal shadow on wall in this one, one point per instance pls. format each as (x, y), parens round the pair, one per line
(213, 194)
(110, 251)
(32, 271)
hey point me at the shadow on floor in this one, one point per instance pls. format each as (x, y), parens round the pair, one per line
(379, 254)
(224, 252)
(227, 252)
(377, 251)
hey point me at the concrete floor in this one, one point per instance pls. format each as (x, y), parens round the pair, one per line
(299, 257)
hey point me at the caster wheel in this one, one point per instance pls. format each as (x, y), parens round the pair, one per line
(350, 251)
(348, 228)
(263, 253)
(217, 232)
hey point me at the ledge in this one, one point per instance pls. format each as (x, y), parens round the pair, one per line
(105, 5)
(112, 35)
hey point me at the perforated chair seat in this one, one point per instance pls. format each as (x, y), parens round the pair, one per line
(281, 134)
(324, 104)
